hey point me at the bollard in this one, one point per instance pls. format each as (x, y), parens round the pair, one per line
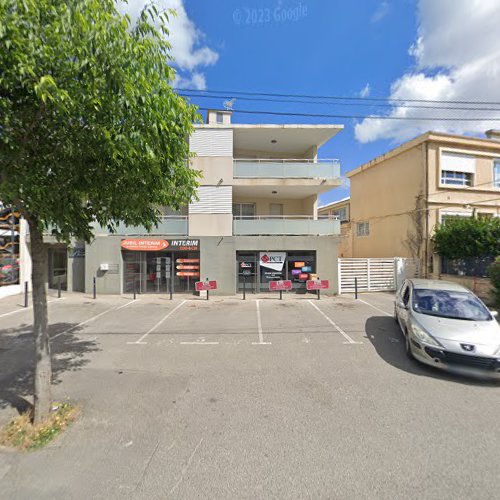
(171, 284)
(94, 288)
(281, 294)
(208, 291)
(244, 286)
(318, 293)
(25, 294)
(59, 287)
(134, 289)
(355, 288)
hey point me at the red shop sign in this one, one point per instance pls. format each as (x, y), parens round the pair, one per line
(317, 284)
(143, 245)
(206, 285)
(276, 286)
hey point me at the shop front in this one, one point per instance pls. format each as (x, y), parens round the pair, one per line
(160, 265)
(256, 269)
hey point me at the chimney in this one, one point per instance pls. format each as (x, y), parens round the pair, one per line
(493, 134)
(219, 117)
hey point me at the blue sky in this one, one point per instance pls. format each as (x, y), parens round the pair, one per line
(334, 48)
(401, 49)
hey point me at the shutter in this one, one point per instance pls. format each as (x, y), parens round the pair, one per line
(458, 162)
(212, 142)
(213, 200)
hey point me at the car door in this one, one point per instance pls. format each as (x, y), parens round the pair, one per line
(402, 305)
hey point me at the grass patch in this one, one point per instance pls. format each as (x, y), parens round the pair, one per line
(20, 433)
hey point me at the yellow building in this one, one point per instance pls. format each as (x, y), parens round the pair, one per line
(398, 198)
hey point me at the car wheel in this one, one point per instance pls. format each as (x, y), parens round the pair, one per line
(409, 354)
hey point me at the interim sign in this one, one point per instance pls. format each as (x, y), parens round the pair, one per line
(280, 285)
(317, 284)
(205, 285)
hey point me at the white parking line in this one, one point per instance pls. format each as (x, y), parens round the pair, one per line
(375, 307)
(344, 334)
(27, 308)
(92, 319)
(199, 343)
(259, 327)
(140, 341)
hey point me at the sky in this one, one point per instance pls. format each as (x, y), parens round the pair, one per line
(397, 49)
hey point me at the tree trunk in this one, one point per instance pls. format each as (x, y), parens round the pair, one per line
(43, 361)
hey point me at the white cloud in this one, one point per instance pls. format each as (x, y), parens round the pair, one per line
(194, 81)
(365, 91)
(382, 11)
(188, 48)
(457, 57)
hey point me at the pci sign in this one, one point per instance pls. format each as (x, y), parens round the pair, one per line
(143, 245)
(317, 284)
(205, 285)
(279, 285)
(272, 260)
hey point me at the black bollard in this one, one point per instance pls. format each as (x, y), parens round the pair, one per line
(59, 288)
(25, 294)
(94, 288)
(355, 288)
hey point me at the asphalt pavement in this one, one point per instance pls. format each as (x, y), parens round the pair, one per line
(245, 399)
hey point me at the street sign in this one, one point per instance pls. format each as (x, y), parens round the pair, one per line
(317, 284)
(280, 285)
(205, 285)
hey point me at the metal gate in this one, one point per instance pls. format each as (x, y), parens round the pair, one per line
(374, 275)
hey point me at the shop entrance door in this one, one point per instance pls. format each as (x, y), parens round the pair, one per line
(246, 272)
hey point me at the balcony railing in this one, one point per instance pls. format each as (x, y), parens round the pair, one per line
(285, 225)
(169, 224)
(286, 168)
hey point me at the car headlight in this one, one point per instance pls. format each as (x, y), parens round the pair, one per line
(423, 336)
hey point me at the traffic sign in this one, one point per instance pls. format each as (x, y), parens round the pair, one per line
(280, 285)
(205, 285)
(317, 284)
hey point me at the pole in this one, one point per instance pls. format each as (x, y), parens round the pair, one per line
(171, 278)
(355, 288)
(25, 294)
(94, 288)
(59, 288)
(208, 291)
(281, 294)
(319, 293)
(244, 286)
(135, 291)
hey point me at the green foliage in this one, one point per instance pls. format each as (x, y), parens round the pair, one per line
(90, 128)
(468, 237)
(494, 273)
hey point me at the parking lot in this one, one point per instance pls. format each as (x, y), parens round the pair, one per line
(245, 399)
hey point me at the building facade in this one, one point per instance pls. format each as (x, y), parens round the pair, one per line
(399, 198)
(255, 219)
(341, 210)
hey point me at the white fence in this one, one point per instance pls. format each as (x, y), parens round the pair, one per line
(374, 275)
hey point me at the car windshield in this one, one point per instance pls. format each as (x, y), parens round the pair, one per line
(449, 304)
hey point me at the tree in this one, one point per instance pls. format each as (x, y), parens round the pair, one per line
(91, 131)
(465, 237)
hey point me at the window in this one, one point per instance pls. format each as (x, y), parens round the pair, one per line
(243, 210)
(219, 117)
(448, 216)
(456, 178)
(496, 173)
(341, 213)
(362, 229)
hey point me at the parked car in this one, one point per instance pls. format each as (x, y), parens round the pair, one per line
(445, 325)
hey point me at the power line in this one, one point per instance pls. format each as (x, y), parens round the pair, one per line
(347, 98)
(300, 101)
(360, 117)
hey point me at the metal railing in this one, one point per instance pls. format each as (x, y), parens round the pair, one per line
(285, 225)
(168, 224)
(300, 168)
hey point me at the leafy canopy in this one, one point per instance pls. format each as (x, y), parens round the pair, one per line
(464, 237)
(90, 128)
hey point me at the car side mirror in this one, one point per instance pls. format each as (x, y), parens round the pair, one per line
(494, 313)
(402, 304)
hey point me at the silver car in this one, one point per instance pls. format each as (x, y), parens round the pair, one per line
(447, 326)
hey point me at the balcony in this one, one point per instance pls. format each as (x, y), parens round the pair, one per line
(286, 169)
(171, 224)
(285, 225)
